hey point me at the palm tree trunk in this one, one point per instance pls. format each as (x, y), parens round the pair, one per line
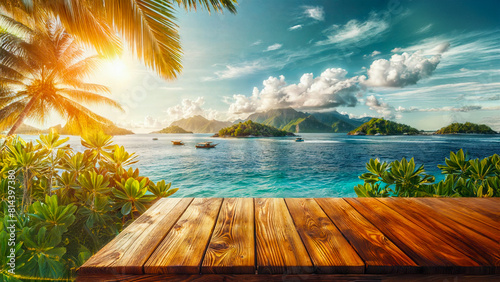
(22, 116)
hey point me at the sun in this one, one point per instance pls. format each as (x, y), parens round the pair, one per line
(116, 68)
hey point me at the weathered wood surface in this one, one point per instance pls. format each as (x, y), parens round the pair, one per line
(183, 248)
(232, 247)
(127, 253)
(380, 254)
(330, 252)
(269, 239)
(279, 247)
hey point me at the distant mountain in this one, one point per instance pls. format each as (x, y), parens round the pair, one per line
(29, 130)
(172, 129)
(383, 127)
(467, 127)
(295, 121)
(199, 124)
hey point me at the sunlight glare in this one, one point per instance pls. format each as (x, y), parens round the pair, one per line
(116, 69)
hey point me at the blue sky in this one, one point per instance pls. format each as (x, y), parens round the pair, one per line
(423, 63)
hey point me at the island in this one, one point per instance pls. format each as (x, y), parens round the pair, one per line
(468, 128)
(251, 129)
(172, 129)
(380, 126)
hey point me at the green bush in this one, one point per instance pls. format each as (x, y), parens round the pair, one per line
(68, 204)
(464, 178)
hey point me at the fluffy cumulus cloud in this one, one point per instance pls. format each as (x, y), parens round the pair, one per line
(402, 70)
(188, 108)
(373, 54)
(385, 110)
(316, 13)
(331, 89)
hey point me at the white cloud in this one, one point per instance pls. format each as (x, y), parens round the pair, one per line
(295, 27)
(316, 13)
(396, 50)
(189, 108)
(273, 47)
(258, 42)
(331, 89)
(151, 122)
(355, 32)
(236, 71)
(425, 28)
(403, 70)
(373, 54)
(387, 111)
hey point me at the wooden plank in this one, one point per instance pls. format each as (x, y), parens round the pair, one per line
(329, 250)
(232, 246)
(489, 207)
(476, 246)
(279, 247)
(461, 216)
(128, 251)
(378, 252)
(431, 253)
(182, 250)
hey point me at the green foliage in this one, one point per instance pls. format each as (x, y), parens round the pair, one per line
(72, 204)
(248, 128)
(467, 127)
(464, 178)
(384, 127)
(173, 129)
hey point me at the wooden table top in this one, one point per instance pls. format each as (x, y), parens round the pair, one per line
(276, 236)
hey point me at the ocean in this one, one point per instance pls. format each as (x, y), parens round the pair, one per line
(324, 165)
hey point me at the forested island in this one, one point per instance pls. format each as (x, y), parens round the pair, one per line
(380, 126)
(252, 129)
(172, 129)
(467, 127)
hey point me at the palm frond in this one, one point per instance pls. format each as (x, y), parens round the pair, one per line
(217, 5)
(88, 98)
(10, 113)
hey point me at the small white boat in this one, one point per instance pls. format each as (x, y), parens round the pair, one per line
(155, 139)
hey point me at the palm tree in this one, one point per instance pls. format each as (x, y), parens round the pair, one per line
(147, 26)
(42, 70)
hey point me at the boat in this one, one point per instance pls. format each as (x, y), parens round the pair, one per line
(205, 145)
(155, 138)
(177, 142)
(299, 139)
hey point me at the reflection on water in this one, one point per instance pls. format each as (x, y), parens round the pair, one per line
(325, 165)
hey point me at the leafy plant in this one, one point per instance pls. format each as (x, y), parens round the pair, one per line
(94, 195)
(464, 178)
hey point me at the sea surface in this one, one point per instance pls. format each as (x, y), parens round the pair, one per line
(325, 165)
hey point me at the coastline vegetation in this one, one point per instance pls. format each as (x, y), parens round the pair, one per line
(252, 129)
(383, 127)
(468, 128)
(464, 178)
(68, 204)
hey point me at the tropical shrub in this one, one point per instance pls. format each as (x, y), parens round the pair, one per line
(68, 204)
(464, 178)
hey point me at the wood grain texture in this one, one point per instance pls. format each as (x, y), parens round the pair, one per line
(476, 246)
(489, 207)
(232, 246)
(431, 253)
(379, 253)
(296, 277)
(457, 213)
(182, 250)
(128, 251)
(329, 250)
(279, 247)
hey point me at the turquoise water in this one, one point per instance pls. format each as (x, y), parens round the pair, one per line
(325, 165)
